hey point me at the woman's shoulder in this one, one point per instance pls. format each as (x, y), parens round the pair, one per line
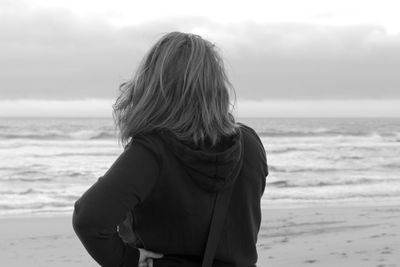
(249, 132)
(246, 128)
(254, 145)
(149, 140)
(251, 138)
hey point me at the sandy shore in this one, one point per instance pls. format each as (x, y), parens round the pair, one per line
(330, 236)
(317, 236)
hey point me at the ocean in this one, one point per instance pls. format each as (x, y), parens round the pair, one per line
(47, 163)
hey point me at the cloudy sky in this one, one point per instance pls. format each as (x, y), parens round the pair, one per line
(285, 58)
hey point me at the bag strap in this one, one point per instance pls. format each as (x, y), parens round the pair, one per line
(217, 221)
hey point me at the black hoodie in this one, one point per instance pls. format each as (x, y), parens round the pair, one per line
(170, 187)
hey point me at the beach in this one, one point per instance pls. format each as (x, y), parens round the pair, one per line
(330, 236)
(303, 236)
(332, 196)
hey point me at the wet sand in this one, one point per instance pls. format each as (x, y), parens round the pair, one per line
(312, 236)
(330, 236)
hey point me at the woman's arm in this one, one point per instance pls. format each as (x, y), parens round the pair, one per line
(105, 204)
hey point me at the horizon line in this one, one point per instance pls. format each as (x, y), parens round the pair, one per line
(242, 117)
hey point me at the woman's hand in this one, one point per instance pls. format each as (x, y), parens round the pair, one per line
(146, 257)
(128, 236)
(125, 230)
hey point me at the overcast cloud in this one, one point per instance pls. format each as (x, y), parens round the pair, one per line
(50, 54)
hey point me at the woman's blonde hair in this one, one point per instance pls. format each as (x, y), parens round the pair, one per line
(181, 86)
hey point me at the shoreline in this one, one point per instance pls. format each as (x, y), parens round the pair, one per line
(302, 236)
(272, 205)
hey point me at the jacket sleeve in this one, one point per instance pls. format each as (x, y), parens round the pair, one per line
(99, 211)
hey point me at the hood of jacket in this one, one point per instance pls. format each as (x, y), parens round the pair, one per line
(212, 170)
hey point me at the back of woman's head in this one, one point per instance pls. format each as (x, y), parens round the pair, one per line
(180, 86)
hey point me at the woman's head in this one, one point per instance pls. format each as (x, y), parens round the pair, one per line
(181, 86)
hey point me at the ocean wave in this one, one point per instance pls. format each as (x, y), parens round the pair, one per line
(288, 150)
(19, 167)
(32, 176)
(391, 165)
(345, 157)
(73, 154)
(58, 135)
(310, 183)
(324, 132)
(90, 134)
(306, 169)
(27, 179)
(28, 172)
(38, 206)
(276, 133)
(28, 191)
(341, 197)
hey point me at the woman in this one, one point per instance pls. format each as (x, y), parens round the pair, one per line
(181, 147)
